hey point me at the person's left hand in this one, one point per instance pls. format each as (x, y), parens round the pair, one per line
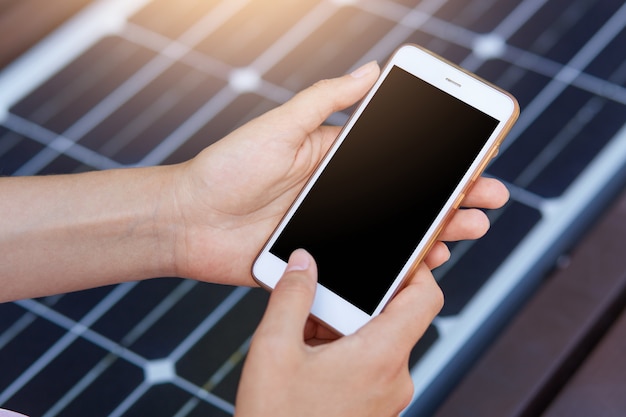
(231, 196)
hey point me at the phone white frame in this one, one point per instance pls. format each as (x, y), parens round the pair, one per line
(330, 308)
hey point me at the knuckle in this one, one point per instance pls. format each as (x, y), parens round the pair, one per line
(321, 84)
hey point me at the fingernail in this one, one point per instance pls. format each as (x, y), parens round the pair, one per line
(363, 69)
(300, 260)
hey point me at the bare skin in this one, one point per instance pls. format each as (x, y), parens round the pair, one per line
(206, 219)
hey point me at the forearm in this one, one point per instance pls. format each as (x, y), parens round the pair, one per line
(70, 232)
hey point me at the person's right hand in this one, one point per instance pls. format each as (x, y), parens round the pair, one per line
(290, 371)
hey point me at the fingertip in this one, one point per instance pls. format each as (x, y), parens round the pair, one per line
(438, 255)
(365, 70)
(489, 193)
(299, 260)
(498, 191)
(503, 192)
(300, 272)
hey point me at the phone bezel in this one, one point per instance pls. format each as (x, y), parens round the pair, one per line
(330, 308)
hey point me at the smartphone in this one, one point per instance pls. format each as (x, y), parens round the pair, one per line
(386, 188)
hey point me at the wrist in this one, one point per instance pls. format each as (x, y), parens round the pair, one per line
(161, 215)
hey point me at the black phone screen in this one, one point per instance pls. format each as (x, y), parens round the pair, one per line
(385, 185)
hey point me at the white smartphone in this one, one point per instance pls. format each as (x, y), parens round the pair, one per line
(397, 171)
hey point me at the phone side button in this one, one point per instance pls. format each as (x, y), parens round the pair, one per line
(495, 152)
(459, 200)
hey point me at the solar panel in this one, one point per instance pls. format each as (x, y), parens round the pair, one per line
(133, 83)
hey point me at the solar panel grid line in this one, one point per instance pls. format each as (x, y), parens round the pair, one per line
(78, 388)
(86, 333)
(189, 127)
(266, 60)
(130, 87)
(568, 74)
(16, 328)
(408, 20)
(158, 311)
(560, 93)
(67, 139)
(115, 349)
(187, 408)
(210, 22)
(608, 89)
(9, 140)
(518, 17)
(130, 400)
(50, 314)
(75, 83)
(198, 392)
(503, 31)
(74, 332)
(203, 62)
(452, 33)
(171, 48)
(235, 359)
(293, 37)
(116, 98)
(126, 341)
(208, 323)
(607, 164)
(77, 130)
(101, 68)
(149, 116)
(549, 68)
(32, 130)
(569, 131)
(208, 363)
(57, 145)
(463, 33)
(203, 395)
(157, 42)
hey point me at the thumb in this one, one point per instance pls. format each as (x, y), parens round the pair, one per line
(312, 106)
(291, 299)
